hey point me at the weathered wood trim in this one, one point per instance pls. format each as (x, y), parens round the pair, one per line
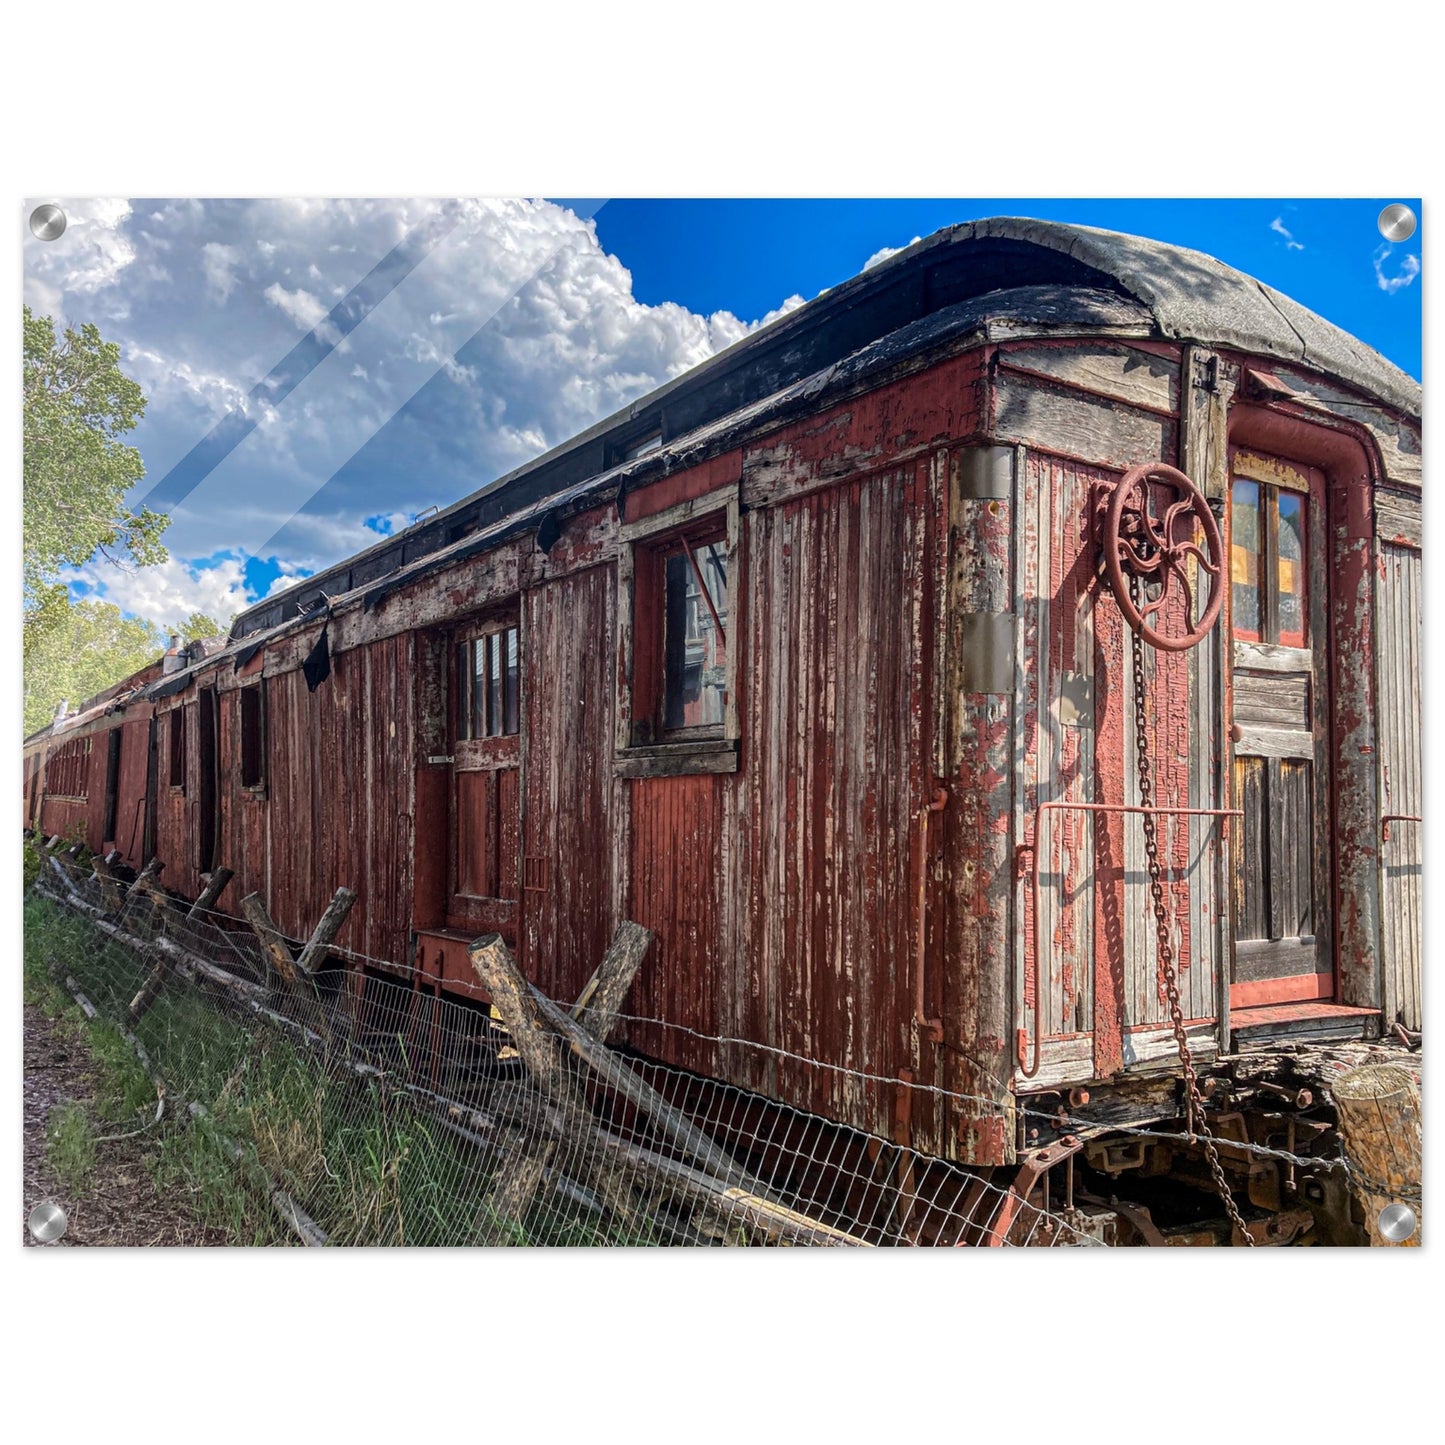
(1252, 741)
(1204, 433)
(1119, 373)
(670, 760)
(1274, 471)
(1396, 438)
(1050, 418)
(681, 515)
(1272, 657)
(1398, 518)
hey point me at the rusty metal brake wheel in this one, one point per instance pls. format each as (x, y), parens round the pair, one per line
(1148, 540)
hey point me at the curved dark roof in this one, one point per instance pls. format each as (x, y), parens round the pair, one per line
(1072, 279)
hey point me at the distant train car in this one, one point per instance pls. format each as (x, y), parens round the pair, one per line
(846, 662)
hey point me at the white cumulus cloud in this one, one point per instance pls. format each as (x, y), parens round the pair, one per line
(1404, 274)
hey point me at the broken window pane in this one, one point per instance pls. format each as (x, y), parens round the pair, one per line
(695, 652)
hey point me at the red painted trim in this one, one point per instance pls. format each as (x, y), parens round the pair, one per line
(1350, 461)
(687, 486)
(1282, 990)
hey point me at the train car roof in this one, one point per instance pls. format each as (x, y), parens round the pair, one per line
(1052, 277)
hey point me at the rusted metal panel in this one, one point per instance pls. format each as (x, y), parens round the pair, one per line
(1398, 624)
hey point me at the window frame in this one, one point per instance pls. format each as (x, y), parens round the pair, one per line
(176, 748)
(257, 690)
(643, 747)
(1269, 491)
(499, 747)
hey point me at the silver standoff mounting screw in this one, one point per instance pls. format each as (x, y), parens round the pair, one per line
(47, 1221)
(1397, 1223)
(1397, 222)
(47, 222)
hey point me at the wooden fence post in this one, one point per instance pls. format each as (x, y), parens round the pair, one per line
(314, 954)
(215, 886)
(278, 953)
(520, 1175)
(109, 883)
(1379, 1111)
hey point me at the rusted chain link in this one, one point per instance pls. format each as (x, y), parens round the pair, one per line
(1168, 974)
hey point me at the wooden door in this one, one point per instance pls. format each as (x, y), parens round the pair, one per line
(1280, 734)
(485, 665)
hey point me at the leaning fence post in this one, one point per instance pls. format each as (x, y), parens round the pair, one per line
(145, 879)
(312, 956)
(215, 886)
(278, 952)
(165, 963)
(1379, 1112)
(109, 883)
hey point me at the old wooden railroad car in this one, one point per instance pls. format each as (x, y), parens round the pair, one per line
(820, 661)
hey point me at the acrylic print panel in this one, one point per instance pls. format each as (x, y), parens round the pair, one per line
(614, 722)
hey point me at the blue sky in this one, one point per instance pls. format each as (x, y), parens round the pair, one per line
(320, 372)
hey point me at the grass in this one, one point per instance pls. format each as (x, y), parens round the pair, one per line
(359, 1158)
(70, 1145)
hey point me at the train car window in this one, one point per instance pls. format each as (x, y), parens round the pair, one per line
(694, 636)
(67, 772)
(1267, 564)
(177, 749)
(489, 684)
(253, 737)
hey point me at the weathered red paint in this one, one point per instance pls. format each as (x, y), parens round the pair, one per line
(798, 905)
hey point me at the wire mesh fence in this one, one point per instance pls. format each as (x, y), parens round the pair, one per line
(351, 1107)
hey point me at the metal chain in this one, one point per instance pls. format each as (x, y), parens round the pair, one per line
(1168, 974)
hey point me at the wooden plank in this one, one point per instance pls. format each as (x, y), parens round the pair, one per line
(1104, 433)
(215, 886)
(1119, 372)
(1272, 700)
(1249, 867)
(1271, 657)
(1260, 742)
(1398, 518)
(1204, 438)
(1262, 958)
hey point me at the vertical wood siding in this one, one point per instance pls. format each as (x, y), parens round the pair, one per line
(568, 631)
(1398, 623)
(1096, 984)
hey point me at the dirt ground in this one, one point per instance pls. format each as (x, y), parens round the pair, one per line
(119, 1204)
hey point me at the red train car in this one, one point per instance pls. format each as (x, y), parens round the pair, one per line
(821, 662)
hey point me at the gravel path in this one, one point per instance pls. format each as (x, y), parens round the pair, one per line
(119, 1204)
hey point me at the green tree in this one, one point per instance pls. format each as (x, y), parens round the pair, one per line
(199, 624)
(80, 649)
(78, 403)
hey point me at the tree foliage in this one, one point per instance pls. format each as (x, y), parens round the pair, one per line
(78, 649)
(200, 624)
(78, 403)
